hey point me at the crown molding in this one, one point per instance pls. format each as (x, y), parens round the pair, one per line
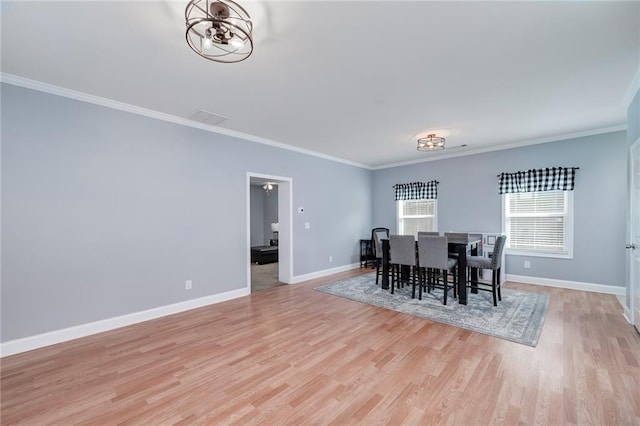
(506, 146)
(110, 103)
(121, 106)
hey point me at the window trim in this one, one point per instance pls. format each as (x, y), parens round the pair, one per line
(435, 214)
(568, 254)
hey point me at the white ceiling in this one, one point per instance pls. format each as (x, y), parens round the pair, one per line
(353, 80)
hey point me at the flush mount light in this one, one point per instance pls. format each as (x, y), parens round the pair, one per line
(431, 143)
(268, 187)
(219, 30)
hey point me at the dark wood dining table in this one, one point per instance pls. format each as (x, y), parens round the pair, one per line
(459, 245)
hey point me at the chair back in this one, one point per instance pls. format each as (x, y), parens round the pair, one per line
(432, 252)
(402, 250)
(378, 234)
(427, 233)
(496, 257)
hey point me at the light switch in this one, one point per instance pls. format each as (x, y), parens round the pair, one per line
(307, 225)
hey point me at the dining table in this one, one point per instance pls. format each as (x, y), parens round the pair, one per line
(460, 245)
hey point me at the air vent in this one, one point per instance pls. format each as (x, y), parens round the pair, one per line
(456, 147)
(208, 118)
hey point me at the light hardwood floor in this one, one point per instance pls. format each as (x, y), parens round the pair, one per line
(292, 355)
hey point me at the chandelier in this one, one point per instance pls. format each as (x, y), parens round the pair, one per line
(219, 30)
(431, 143)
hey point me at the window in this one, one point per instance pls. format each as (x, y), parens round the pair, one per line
(539, 223)
(416, 215)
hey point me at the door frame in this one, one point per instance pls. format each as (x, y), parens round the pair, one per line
(285, 220)
(633, 273)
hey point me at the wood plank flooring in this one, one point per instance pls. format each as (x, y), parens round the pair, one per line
(292, 355)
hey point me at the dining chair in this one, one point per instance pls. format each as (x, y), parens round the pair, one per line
(495, 264)
(377, 234)
(402, 250)
(433, 253)
(429, 271)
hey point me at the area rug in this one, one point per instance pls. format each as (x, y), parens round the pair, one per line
(519, 317)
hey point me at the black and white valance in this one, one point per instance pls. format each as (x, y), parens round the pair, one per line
(537, 180)
(417, 190)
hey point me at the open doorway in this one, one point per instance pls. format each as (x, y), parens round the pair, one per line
(268, 231)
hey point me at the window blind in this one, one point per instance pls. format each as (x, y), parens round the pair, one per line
(537, 220)
(416, 215)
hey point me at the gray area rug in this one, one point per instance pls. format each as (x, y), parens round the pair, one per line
(519, 317)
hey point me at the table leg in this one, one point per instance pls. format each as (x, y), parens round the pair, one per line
(462, 274)
(474, 271)
(385, 264)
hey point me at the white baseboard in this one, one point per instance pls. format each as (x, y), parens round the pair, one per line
(572, 285)
(319, 274)
(16, 346)
(627, 314)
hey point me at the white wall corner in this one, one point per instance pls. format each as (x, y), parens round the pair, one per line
(16, 346)
(319, 274)
(571, 285)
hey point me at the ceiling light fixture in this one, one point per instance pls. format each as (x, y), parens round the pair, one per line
(431, 143)
(219, 30)
(268, 187)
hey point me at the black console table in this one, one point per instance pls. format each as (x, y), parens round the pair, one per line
(366, 254)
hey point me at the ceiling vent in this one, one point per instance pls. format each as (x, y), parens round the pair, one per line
(208, 118)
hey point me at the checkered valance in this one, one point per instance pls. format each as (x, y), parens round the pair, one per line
(536, 180)
(417, 190)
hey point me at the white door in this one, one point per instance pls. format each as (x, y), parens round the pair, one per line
(635, 234)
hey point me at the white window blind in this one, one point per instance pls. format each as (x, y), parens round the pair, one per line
(539, 222)
(416, 215)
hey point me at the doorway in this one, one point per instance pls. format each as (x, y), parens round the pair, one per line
(269, 231)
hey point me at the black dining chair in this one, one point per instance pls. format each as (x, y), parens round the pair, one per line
(433, 254)
(377, 234)
(494, 263)
(402, 255)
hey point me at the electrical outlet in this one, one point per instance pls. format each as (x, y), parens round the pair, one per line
(527, 264)
(330, 259)
(307, 225)
(188, 285)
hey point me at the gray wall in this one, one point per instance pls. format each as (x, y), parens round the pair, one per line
(633, 119)
(257, 216)
(264, 211)
(106, 213)
(468, 199)
(270, 203)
